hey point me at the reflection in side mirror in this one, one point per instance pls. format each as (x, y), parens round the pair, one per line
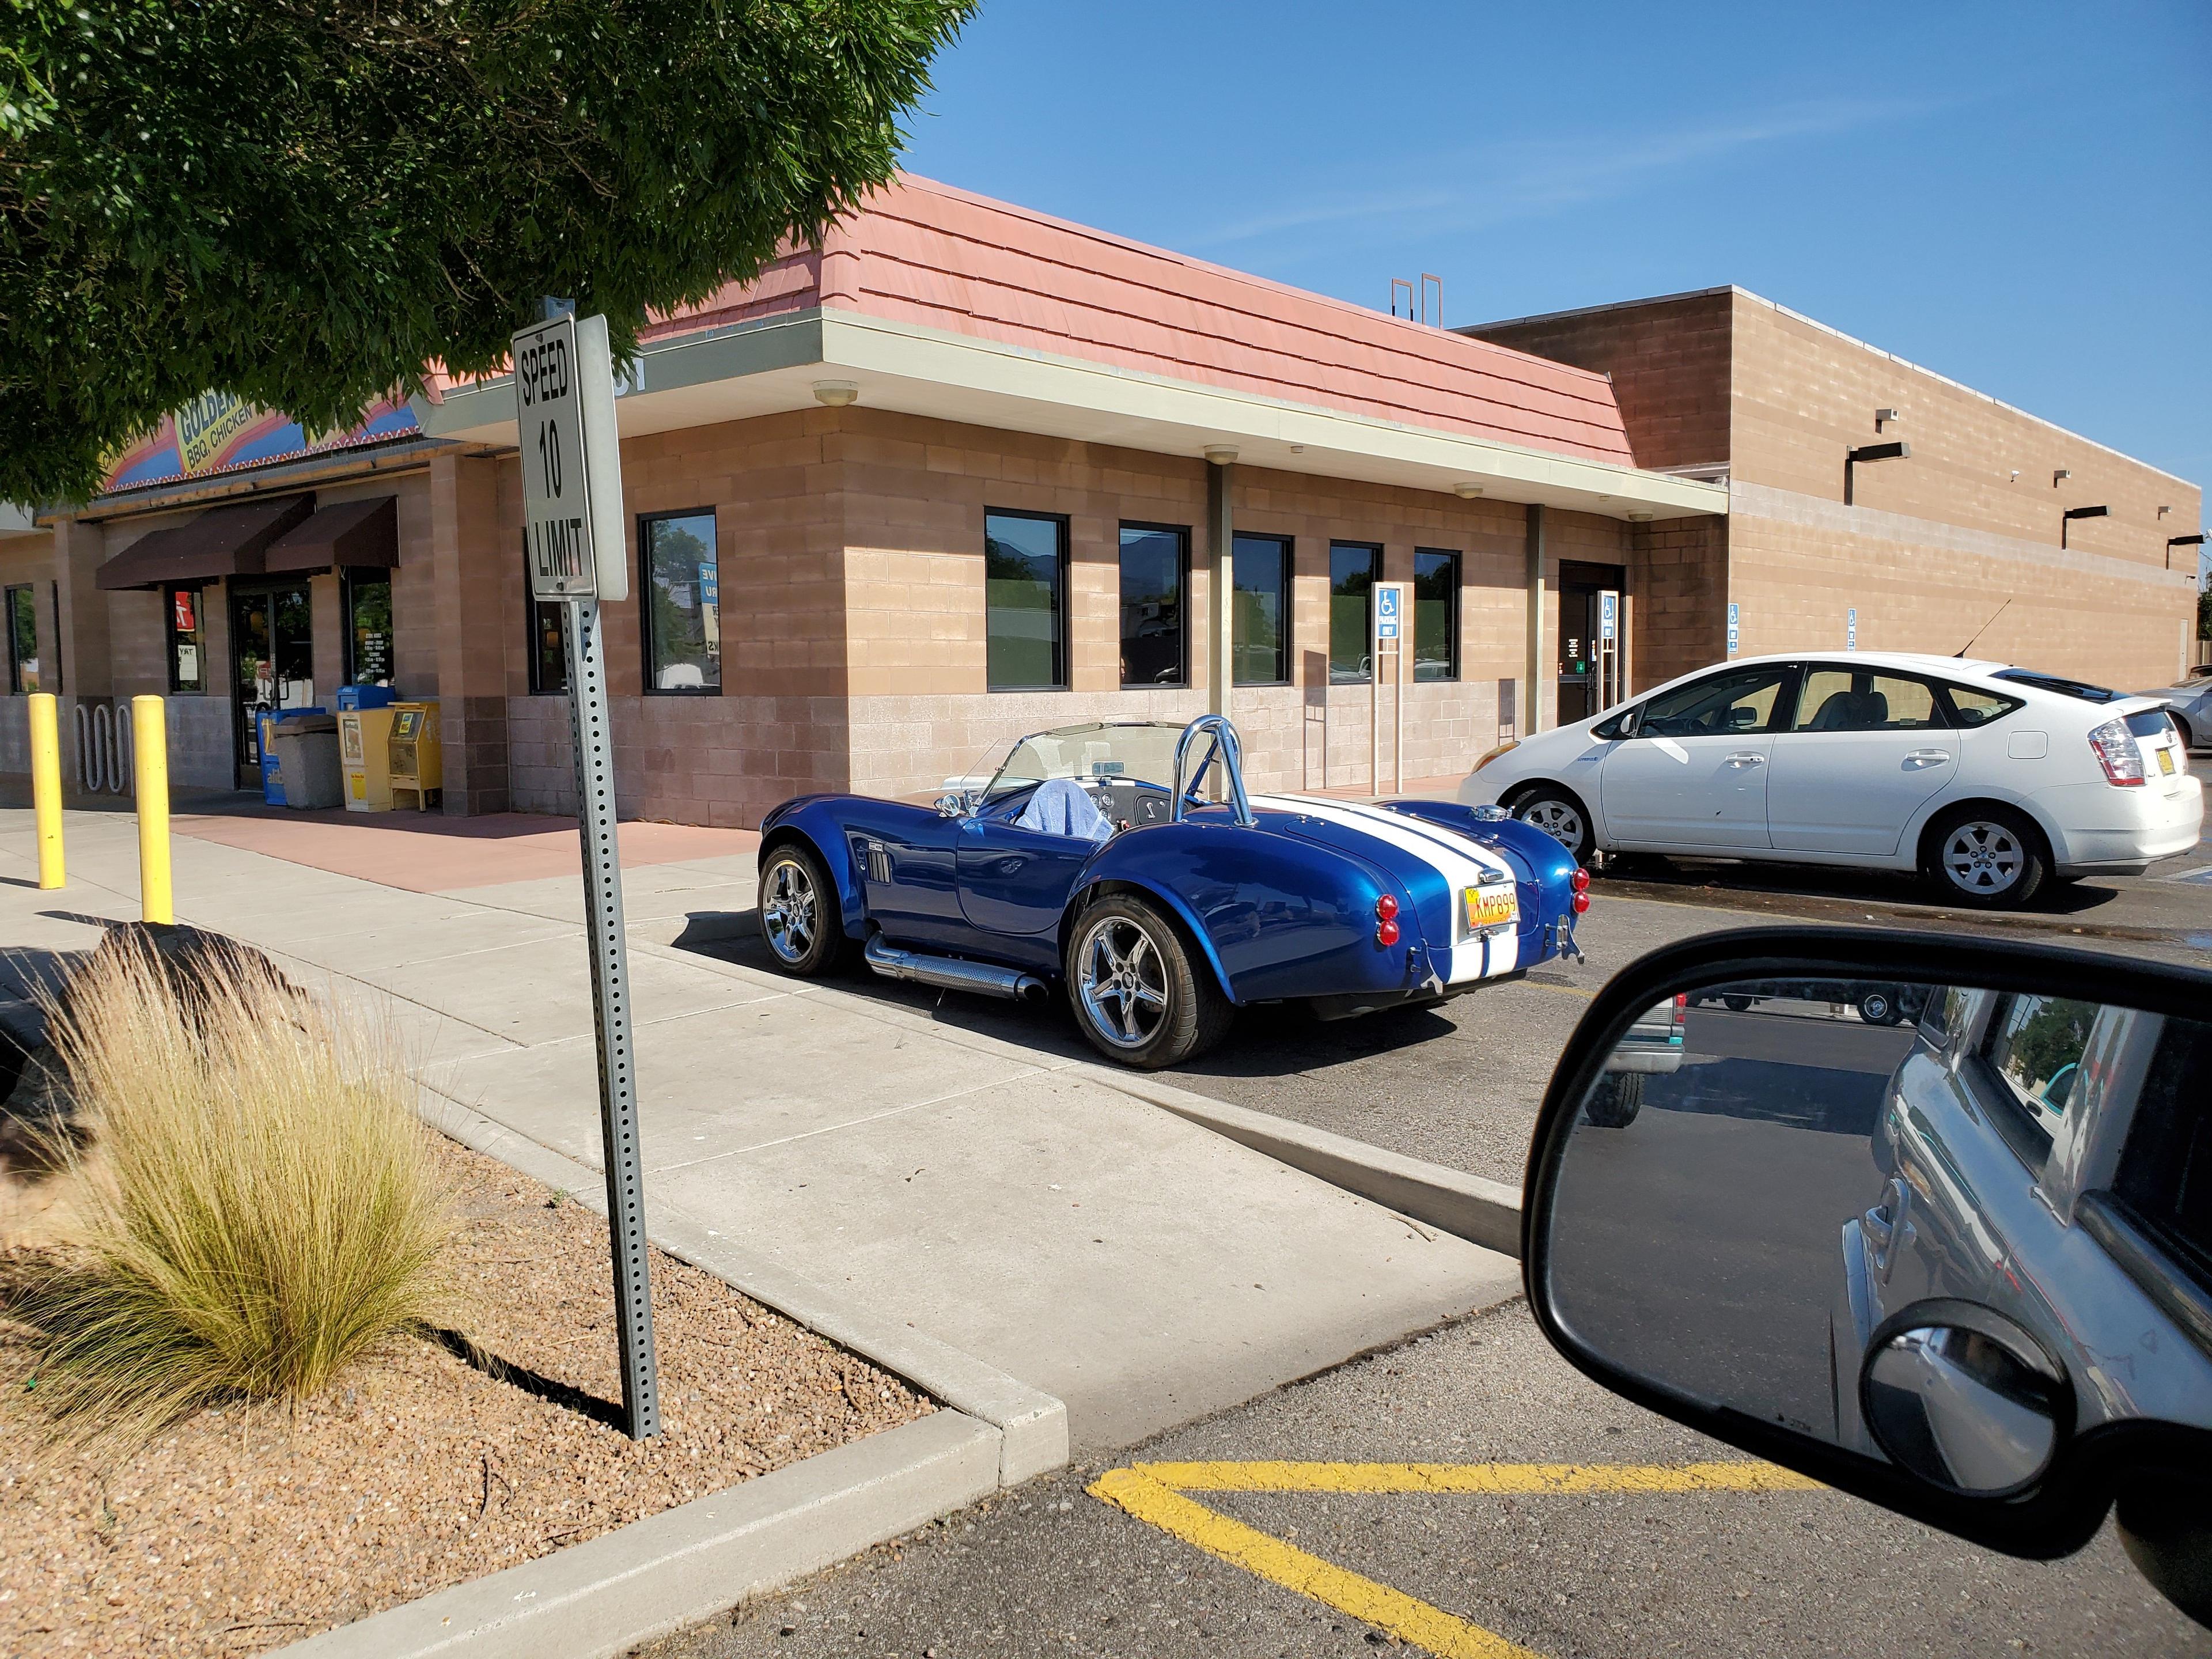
(1913, 1238)
(952, 806)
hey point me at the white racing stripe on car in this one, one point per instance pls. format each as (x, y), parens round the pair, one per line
(1460, 863)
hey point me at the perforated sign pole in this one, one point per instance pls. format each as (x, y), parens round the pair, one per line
(1389, 639)
(572, 526)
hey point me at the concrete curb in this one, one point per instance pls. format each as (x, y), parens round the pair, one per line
(1482, 1211)
(671, 1569)
(1032, 1425)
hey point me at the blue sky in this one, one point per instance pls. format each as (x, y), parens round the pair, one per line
(2019, 197)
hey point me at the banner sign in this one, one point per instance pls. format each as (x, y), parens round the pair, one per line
(216, 433)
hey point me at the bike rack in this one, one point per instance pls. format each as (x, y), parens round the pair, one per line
(1224, 748)
(103, 748)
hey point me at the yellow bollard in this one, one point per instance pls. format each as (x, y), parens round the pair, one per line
(149, 750)
(46, 787)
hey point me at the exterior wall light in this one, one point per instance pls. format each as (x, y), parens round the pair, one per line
(2059, 478)
(835, 394)
(1639, 518)
(1882, 417)
(2172, 541)
(1220, 455)
(1467, 492)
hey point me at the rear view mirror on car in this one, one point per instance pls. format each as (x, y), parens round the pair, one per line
(1929, 1221)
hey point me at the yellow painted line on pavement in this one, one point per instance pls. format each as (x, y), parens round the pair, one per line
(1154, 1493)
(1513, 1479)
(1393, 1612)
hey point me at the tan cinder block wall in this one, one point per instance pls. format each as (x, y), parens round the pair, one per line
(1674, 626)
(1668, 362)
(921, 712)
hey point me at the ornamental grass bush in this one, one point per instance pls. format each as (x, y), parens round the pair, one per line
(259, 1203)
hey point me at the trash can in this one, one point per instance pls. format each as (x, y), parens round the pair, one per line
(307, 757)
(272, 777)
(353, 698)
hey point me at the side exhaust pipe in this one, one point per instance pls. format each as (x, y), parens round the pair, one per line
(954, 974)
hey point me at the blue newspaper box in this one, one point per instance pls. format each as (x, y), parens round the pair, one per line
(272, 780)
(353, 698)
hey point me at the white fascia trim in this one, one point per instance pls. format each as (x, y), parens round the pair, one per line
(898, 365)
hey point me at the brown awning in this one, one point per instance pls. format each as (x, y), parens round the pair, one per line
(223, 541)
(356, 534)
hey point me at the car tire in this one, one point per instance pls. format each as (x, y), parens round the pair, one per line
(1877, 1005)
(1558, 815)
(1137, 989)
(1736, 1005)
(1616, 1100)
(1985, 857)
(801, 922)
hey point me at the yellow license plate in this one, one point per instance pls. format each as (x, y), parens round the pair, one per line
(1488, 906)
(2165, 761)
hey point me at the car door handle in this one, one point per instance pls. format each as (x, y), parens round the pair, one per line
(1928, 757)
(1746, 759)
(1887, 1226)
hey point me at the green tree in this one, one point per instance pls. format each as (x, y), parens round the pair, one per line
(2204, 613)
(306, 202)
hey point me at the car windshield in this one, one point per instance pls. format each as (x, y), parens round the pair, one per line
(1140, 751)
(2065, 688)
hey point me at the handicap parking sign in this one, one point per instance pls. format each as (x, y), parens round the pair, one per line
(1607, 616)
(1735, 618)
(1851, 629)
(1386, 613)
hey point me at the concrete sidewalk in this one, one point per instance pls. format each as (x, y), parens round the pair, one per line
(1012, 1202)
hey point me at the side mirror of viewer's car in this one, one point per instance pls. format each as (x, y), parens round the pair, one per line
(1929, 1220)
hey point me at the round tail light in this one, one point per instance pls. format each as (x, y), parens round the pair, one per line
(1386, 932)
(1582, 904)
(1386, 907)
(1580, 880)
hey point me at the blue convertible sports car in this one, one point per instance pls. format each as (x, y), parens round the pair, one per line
(1092, 859)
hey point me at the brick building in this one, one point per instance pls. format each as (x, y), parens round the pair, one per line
(1966, 535)
(966, 470)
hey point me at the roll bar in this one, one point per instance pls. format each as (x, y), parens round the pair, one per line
(1224, 748)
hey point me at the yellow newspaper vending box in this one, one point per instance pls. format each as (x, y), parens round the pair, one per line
(418, 757)
(365, 755)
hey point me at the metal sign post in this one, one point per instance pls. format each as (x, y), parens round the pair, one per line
(1390, 608)
(1608, 648)
(572, 526)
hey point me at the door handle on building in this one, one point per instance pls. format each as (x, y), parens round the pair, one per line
(1746, 759)
(1928, 757)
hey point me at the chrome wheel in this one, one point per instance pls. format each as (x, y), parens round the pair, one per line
(1121, 980)
(1556, 818)
(789, 909)
(1982, 858)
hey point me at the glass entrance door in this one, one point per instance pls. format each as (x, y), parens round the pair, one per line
(1580, 585)
(272, 654)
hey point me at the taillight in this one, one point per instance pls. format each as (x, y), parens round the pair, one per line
(1386, 926)
(1386, 932)
(1681, 1009)
(1582, 904)
(1580, 880)
(2116, 748)
(1386, 907)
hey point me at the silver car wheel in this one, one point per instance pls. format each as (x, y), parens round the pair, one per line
(788, 910)
(1982, 858)
(1557, 819)
(1121, 981)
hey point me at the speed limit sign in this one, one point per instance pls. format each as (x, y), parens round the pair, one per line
(564, 400)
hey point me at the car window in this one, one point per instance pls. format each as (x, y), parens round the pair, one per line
(2031, 1052)
(1945, 1016)
(1859, 700)
(1739, 702)
(2165, 1172)
(1970, 706)
(2064, 687)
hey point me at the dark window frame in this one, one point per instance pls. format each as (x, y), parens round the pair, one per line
(1063, 644)
(645, 599)
(533, 665)
(1181, 533)
(349, 579)
(1451, 613)
(1373, 551)
(7, 609)
(1284, 651)
(169, 591)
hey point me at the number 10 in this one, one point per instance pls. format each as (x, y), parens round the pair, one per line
(549, 456)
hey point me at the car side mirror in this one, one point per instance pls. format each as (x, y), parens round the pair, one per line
(1898, 1212)
(952, 806)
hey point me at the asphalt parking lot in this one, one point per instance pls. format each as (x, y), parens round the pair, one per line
(1051, 1569)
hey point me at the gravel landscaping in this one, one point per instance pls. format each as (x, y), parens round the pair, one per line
(242, 1529)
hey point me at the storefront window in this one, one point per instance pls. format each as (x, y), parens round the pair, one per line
(1436, 615)
(23, 640)
(1260, 629)
(1025, 601)
(187, 625)
(683, 604)
(1153, 561)
(368, 628)
(1352, 568)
